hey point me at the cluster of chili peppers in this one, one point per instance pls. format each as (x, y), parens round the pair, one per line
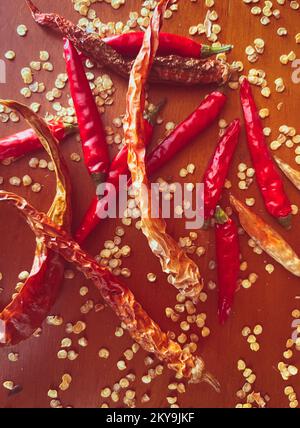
(168, 69)
(17, 145)
(179, 62)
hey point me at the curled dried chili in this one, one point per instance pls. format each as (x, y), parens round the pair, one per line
(267, 238)
(23, 142)
(92, 134)
(228, 261)
(183, 272)
(267, 176)
(138, 323)
(169, 69)
(129, 44)
(26, 312)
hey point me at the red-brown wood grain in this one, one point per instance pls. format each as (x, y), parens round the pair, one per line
(269, 302)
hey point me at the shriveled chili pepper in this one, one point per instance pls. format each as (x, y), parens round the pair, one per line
(217, 169)
(183, 273)
(228, 261)
(139, 325)
(26, 312)
(21, 143)
(268, 178)
(129, 44)
(170, 69)
(92, 134)
(184, 133)
(292, 174)
(267, 238)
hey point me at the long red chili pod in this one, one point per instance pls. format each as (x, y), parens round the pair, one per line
(129, 44)
(92, 134)
(26, 312)
(23, 142)
(218, 167)
(267, 176)
(139, 325)
(169, 69)
(205, 114)
(228, 261)
(267, 238)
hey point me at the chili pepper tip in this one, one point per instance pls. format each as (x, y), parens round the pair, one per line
(286, 221)
(224, 311)
(151, 115)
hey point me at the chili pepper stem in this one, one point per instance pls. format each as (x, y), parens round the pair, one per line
(220, 216)
(151, 115)
(286, 221)
(69, 128)
(207, 50)
(98, 177)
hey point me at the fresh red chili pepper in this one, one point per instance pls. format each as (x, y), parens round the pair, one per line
(118, 167)
(21, 143)
(218, 167)
(30, 306)
(183, 134)
(129, 44)
(92, 134)
(168, 69)
(228, 261)
(268, 178)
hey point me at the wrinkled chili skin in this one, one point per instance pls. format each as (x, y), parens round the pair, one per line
(92, 134)
(172, 69)
(267, 175)
(218, 167)
(27, 141)
(228, 265)
(197, 122)
(186, 131)
(28, 309)
(129, 44)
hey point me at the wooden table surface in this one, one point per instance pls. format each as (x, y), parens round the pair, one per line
(269, 302)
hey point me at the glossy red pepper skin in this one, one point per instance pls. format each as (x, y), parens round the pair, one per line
(21, 143)
(92, 134)
(267, 175)
(228, 262)
(183, 134)
(186, 131)
(218, 167)
(129, 44)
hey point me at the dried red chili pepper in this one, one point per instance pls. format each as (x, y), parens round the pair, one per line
(268, 178)
(267, 238)
(92, 134)
(122, 301)
(182, 272)
(184, 133)
(31, 305)
(170, 69)
(228, 261)
(218, 167)
(118, 167)
(129, 44)
(21, 143)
